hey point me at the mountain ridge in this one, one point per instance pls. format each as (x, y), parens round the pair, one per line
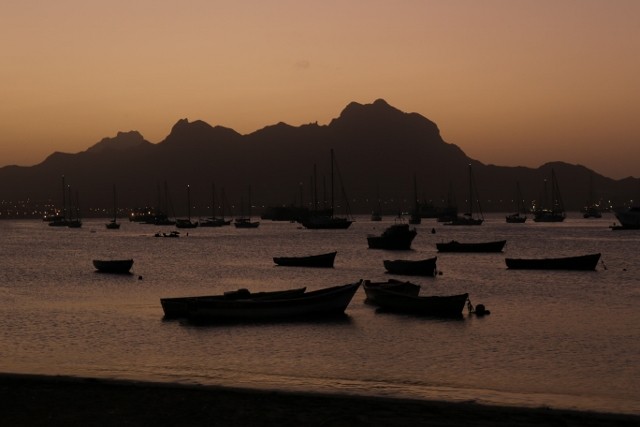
(378, 149)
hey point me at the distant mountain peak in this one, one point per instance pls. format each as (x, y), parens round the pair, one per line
(122, 141)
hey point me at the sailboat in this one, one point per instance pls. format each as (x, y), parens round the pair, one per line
(74, 222)
(114, 224)
(215, 221)
(415, 215)
(318, 220)
(60, 220)
(592, 209)
(469, 218)
(187, 223)
(556, 212)
(245, 222)
(519, 216)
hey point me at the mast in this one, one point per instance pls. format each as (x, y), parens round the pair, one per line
(114, 204)
(332, 200)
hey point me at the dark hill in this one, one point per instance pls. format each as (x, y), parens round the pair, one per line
(377, 147)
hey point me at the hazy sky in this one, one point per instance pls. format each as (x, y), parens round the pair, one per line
(512, 82)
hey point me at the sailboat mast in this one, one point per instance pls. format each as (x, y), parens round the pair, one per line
(470, 194)
(188, 202)
(64, 201)
(114, 203)
(332, 200)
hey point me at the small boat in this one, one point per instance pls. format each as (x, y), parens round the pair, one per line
(471, 217)
(319, 220)
(117, 266)
(455, 246)
(424, 267)
(320, 303)
(519, 216)
(114, 224)
(581, 262)
(245, 222)
(556, 212)
(179, 307)
(399, 302)
(186, 222)
(407, 288)
(170, 234)
(396, 237)
(629, 218)
(322, 260)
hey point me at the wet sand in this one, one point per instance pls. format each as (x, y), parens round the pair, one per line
(51, 401)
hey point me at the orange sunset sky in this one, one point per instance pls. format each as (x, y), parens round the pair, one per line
(512, 82)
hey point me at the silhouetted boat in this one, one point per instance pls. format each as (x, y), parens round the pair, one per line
(399, 302)
(245, 222)
(592, 209)
(394, 285)
(556, 212)
(187, 223)
(113, 224)
(215, 221)
(629, 218)
(117, 266)
(423, 267)
(321, 303)
(581, 262)
(395, 237)
(455, 246)
(470, 217)
(519, 216)
(60, 220)
(322, 260)
(318, 220)
(170, 234)
(179, 307)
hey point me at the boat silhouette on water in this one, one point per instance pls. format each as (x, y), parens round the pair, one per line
(581, 262)
(322, 260)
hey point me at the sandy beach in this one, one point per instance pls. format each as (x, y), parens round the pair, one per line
(63, 401)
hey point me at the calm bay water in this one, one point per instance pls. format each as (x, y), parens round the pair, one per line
(559, 339)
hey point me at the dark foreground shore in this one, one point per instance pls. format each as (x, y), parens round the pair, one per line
(62, 401)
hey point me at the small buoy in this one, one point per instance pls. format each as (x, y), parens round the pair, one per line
(439, 273)
(139, 277)
(481, 310)
(433, 231)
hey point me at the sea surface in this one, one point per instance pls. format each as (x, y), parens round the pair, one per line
(556, 339)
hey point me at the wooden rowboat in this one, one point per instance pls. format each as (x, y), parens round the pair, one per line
(322, 260)
(116, 266)
(581, 262)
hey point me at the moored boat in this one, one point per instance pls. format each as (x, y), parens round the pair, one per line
(321, 303)
(179, 306)
(580, 262)
(322, 260)
(397, 236)
(408, 288)
(116, 266)
(436, 306)
(423, 267)
(629, 218)
(455, 246)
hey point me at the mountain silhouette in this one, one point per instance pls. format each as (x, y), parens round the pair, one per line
(378, 149)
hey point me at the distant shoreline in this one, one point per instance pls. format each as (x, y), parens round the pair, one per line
(30, 400)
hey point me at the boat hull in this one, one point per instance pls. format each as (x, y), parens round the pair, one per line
(424, 267)
(310, 305)
(396, 237)
(118, 266)
(179, 307)
(432, 306)
(454, 246)
(319, 261)
(582, 262)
